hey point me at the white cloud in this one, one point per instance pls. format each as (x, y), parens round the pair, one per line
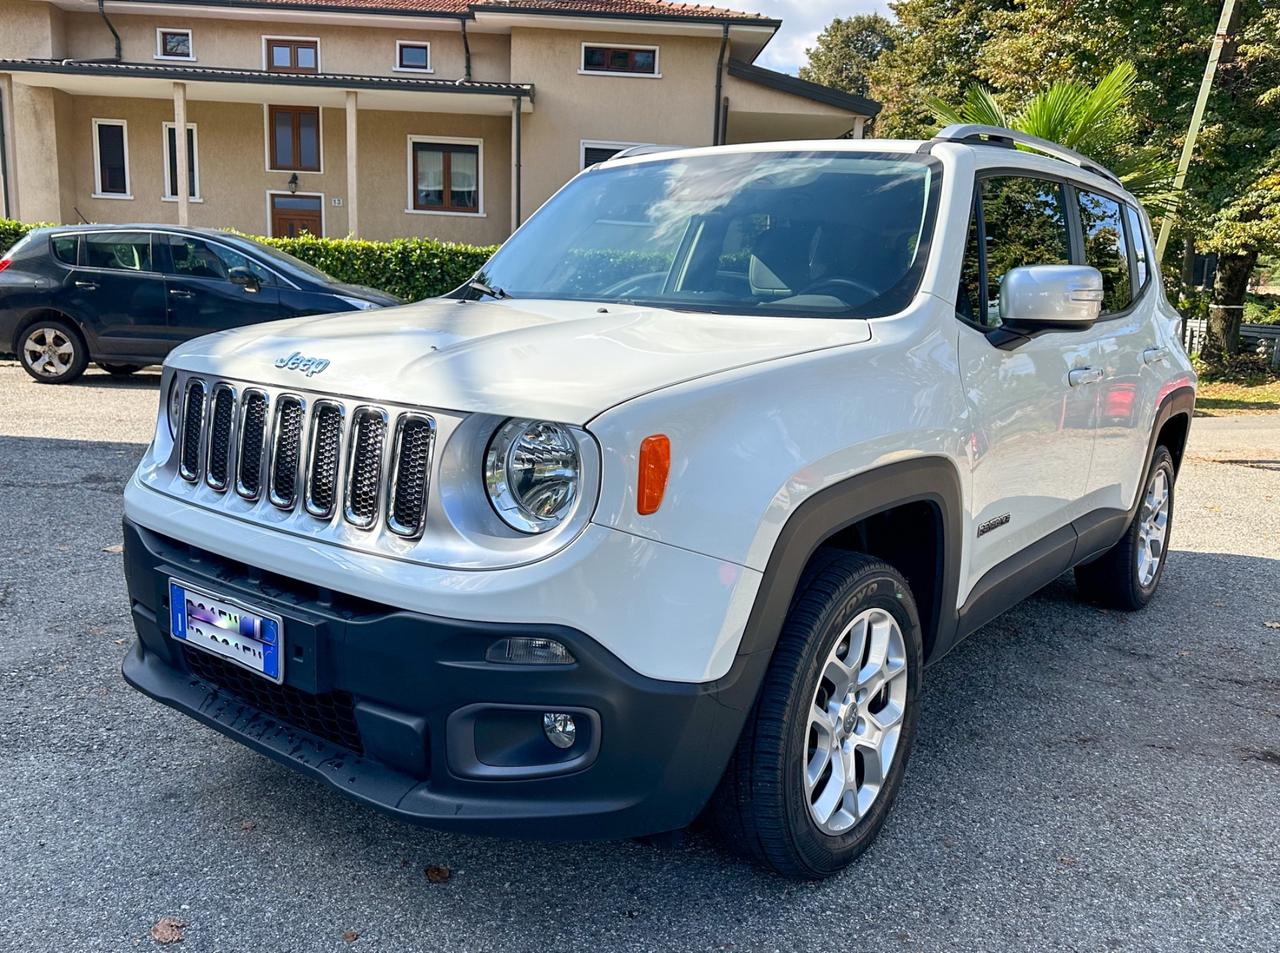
(802, 21)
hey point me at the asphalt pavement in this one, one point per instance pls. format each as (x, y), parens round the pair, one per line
(1083, 780)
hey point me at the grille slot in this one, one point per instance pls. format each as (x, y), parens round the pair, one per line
(364, 467)
(330, 715)
(192, 429)
(325, 449)
(221, 421)
(253, 438)
(286, 451)
(410, 475)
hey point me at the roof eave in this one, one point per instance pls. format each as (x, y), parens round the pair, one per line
(795, 86)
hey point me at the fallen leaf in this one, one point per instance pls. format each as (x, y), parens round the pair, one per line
(248, 825)
(168, 930)
(119, 641)
(438, 873)
(117, 548)
(1272, 625)
(1067, 861)
(1219, 605)
(1183, 653)
(350, 936)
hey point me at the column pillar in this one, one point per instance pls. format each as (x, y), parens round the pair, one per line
(353, 177)
(180, 157)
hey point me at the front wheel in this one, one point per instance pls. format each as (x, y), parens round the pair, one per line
(824, 750)
(52, 351)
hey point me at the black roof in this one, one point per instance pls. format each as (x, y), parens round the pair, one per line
(816, 92)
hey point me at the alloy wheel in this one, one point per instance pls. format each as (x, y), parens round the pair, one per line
(49, 351)
(855, 721)
(1153, 527)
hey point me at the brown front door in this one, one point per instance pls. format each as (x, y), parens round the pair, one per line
(291, 215)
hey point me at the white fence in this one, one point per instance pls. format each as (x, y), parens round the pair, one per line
(1254, 338)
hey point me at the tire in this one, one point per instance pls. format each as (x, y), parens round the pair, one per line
(119, 370)
(1123, 577)
(773, 792)
(52, 351)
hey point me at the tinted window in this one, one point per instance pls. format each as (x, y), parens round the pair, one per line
(415, 57)
(969, 297)
(1106, 248)
(1138, 238)
(194, 258)
(128, 251)
(805, 234)
(113, 171)
(171, 163)
(1024, 223)
(66, 248)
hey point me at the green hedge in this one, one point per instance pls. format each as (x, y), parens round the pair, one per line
(411, 268)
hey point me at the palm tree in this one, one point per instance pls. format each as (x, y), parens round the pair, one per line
(1094, 120)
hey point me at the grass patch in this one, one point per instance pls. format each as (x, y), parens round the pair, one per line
(1224, 398)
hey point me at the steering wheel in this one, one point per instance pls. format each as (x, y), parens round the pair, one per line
(843, 283)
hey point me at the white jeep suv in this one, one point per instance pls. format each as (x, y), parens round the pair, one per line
(669, 508)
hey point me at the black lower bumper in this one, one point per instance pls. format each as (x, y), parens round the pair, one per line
(402, 712)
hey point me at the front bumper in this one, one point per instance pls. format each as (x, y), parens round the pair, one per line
(400, 711)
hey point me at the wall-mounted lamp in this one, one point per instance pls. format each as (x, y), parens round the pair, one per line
(293, 183)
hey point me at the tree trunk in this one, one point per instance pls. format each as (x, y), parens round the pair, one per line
(1188, 262)
(1222, 342)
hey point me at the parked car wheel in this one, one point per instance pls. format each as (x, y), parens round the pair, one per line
(52, 351)
(825, 748)
(120, 370)
(1126, 575)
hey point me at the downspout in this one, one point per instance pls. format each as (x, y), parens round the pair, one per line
(519, 165)
(466, 50)
(4, 165)
(716, 137)
(102, 12)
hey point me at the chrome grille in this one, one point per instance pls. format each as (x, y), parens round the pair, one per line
(286, 451)
(222, 417)
(253, 439)
(325, 447)
(192, 429)
(410, 474)
(364, 469)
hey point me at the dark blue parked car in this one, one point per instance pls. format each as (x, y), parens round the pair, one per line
(125, 295)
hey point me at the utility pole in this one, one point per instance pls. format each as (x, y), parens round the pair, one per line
(1197, 117)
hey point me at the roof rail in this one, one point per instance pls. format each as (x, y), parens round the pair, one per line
(975, 133)
(645, 150)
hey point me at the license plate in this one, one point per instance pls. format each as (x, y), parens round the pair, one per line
(224, 627)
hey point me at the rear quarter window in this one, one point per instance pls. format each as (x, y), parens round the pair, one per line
(66, 248)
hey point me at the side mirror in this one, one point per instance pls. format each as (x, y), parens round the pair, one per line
(1051, 298)
(245, 279)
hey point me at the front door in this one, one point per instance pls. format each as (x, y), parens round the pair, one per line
(291, 215)
(118, 292)
(1032, 404)
(211, 287)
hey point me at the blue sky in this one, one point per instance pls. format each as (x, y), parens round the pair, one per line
(802, 20)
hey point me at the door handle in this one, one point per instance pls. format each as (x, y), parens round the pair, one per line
(1084, 375)
(87, 285)
(179, 293)
(1154, 355)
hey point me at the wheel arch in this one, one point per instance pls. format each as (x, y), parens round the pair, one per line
(35, 314)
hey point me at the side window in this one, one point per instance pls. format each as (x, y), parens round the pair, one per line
(1024, 223)
(1106, 248)
(125, 251)
(969, 297)
(66, 248)
(194, 258)
(1138, 238)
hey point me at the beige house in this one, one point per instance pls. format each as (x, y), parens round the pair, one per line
(375, 118)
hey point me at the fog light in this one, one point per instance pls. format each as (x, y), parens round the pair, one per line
(559, 729)
(528, 652)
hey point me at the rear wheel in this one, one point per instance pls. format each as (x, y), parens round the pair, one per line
(52, 351)
(119, 370)
(823, 753)
(1126, 575)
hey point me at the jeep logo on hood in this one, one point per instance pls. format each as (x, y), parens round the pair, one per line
(311, 366)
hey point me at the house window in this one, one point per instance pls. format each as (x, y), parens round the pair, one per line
(171, 162)
(444, 176)
(291, 55)
(413, 57)
(620, 60)
(111, 159)
(173, 45)
(295, 138)
(594, 151)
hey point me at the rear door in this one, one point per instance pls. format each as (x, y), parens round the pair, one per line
(1031, 402)
(211, 287)
(118, 293)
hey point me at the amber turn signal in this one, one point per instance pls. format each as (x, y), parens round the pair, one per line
(655, 462)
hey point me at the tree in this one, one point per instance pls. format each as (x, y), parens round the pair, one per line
(846, 50)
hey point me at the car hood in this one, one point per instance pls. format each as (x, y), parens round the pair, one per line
(555, 360)
(366, 293)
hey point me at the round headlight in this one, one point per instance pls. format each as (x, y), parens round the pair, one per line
(532, 470)
(174, 408)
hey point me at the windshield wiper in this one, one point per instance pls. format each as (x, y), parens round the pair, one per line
(475, 284)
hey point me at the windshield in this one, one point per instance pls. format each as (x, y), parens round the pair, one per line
(286, 261)
(818, 234)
